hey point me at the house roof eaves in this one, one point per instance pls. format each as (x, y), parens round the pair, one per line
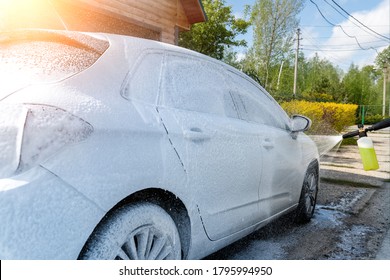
(194, 10)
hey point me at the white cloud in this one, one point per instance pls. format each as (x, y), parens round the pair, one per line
(241, 56)
(347, 49)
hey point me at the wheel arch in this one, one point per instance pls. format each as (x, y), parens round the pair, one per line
(301, 213)
(315, 163)
(167, 201)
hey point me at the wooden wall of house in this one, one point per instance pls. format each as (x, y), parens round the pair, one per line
(158, 20)
(82, 18)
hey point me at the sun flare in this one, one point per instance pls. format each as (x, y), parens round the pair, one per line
(6, 2)
(16, 14)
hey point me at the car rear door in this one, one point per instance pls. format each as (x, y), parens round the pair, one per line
(217, 151)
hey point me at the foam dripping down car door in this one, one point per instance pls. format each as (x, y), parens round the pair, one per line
(202, 123)
(280, 153)
(280, 187)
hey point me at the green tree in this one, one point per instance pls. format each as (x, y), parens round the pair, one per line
(274, 23)
(369, 77)
(321, 80)
(218, 33)
(383, 58)
(361, 87)
(382, 62)
(353, 85)
(231, 57)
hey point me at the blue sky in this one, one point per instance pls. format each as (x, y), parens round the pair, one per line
(330, 42)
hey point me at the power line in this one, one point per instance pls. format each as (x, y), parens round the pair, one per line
(387, 38)
(337, 60)
(339, 37)
(340, 47)
(358, 26)
(337, 25)
(331, 50)
(345, 45)
(327, 26)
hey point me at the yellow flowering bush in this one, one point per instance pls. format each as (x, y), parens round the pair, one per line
(327, 117)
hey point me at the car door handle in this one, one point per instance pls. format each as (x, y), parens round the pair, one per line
(196, 135)
(267, 143)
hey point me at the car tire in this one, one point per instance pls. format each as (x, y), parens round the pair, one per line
(308, 197)
(136, 232)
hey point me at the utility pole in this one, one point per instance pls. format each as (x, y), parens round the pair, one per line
(386, 81)
(296, 63)
(280, 74)
(384, 91)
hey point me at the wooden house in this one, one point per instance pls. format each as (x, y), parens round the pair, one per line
(160, 20)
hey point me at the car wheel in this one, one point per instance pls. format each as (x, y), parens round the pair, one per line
(308, 198)
(142, 231)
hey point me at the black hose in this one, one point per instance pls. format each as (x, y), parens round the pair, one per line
(380, 125)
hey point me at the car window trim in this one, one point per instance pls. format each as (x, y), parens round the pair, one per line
(286, 119)
(133, 68)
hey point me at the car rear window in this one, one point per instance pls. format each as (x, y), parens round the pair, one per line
(44, 56)
(196, 85)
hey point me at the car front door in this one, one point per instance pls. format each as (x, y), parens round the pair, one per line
(217, 151)
(281, 153)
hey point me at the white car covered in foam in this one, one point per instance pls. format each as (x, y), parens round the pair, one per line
(115, 147)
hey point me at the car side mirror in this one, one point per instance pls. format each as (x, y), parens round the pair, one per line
(300, 123)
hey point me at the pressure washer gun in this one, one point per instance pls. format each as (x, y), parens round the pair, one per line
(365, 144)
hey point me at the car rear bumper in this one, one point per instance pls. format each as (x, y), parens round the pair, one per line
(43, 217)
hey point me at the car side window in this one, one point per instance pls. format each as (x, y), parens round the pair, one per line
(142, 82)
(254, 105)
(194, 84)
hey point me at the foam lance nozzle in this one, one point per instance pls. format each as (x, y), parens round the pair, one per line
(365, 144)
